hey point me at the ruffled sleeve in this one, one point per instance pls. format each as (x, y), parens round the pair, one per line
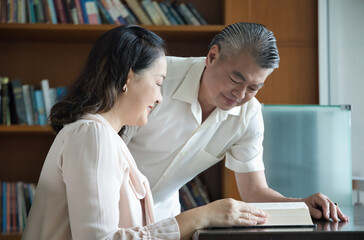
(166, 229)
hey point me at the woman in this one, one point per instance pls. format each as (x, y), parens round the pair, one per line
(90, 187)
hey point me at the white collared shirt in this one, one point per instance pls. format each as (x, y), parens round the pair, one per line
(174, 146)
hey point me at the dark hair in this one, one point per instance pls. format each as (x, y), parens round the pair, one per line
(253, 38)
(106, 71)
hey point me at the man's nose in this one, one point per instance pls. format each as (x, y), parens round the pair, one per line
(239, 93)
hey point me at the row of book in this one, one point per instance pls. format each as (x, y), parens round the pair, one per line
(146, 12)
(23, 104)
(15, 200)
(193, 194)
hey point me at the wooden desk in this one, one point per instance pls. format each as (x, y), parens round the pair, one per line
(352, 230)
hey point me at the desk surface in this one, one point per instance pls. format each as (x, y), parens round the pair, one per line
(354, 229)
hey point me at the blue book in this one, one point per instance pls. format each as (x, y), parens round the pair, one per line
(84, 11)
(4, 210)
(42, 117)
(61, 92)
(104, 12)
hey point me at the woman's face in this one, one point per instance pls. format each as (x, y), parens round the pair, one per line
(144, 92)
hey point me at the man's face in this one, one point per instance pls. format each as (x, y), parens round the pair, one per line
(230, 82)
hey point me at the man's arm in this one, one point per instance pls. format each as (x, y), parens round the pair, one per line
(253, 187)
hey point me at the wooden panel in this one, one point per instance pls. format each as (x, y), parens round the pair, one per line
(230, 189)
(22, 155)
(236, 11)
(34, 61)
(289, 19)
(295, 81)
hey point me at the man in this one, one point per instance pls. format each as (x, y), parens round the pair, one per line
(209, 112)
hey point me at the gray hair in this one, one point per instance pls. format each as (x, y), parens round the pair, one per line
(255, 39)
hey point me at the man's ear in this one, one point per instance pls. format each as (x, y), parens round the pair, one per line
(212, 55)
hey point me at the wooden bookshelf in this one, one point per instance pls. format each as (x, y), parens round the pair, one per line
(33, 52)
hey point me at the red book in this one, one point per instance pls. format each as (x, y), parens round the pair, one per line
(60, 11)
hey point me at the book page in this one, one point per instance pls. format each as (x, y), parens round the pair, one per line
(286, 214)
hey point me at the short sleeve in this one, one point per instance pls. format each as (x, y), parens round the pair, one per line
(246, 155)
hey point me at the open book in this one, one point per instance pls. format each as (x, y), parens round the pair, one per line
(286, 214)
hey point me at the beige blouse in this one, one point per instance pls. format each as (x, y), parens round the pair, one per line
(91, 188)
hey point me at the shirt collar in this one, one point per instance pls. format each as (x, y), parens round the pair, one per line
(188, 90)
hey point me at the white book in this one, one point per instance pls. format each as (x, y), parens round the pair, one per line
(286, 214)
(46, 96)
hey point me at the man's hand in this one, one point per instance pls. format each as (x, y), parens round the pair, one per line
(322, 207)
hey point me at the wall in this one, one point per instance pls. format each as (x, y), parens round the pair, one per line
(341, 60)
(345, 64)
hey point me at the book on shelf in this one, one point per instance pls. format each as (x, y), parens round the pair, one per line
(294, 214)
(193, 194)
(161, 13)
(5, 101)
(17, 94)
(167, 12)
(26, 105)
(152, 12)
(197, 14)
(188, 15)
(16, 200)
(139, 12)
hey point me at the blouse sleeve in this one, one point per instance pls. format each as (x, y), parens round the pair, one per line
(93, 176)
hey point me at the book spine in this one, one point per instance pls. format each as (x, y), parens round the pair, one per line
(84, 11)
(197, 14)
(19, 194)
(61, 15)
(52, 12)
(189, 195)
(42, 118)
(92, 12)
(160, 12)
(174, 13)
(187, 14)
(4, 207)
(73, 11)
(46, 96)
(168, 13)
(5, 108)
(79, 11)
(104, 13)
(151, 12)
(3, 11)
(139, 12)
(19, 101)
(28, 104)
(34, 107)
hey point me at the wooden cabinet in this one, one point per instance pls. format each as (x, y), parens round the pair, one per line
(33, 52)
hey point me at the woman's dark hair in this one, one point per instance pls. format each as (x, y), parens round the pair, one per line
(106, 71)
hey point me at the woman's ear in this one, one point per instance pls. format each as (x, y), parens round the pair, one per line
(212, 55)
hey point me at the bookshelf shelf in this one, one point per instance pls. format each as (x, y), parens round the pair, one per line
(10, 236)
(89, 33)
(25, 129)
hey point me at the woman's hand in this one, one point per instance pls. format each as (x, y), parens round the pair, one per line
(230, 212)
(220, 213)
